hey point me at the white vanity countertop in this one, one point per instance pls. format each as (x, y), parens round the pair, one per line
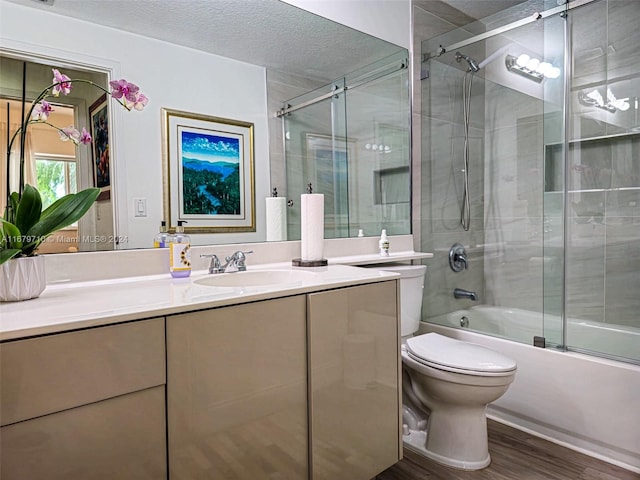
(85, 304)
(371, 259)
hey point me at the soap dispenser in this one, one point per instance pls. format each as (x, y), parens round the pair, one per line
(180, 253)
(384, 244)
(161, 240)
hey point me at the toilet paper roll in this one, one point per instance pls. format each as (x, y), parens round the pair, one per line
(359, 354)
(276, 215)
(312, 226)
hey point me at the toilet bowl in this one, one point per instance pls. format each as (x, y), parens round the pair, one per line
(455, 381)
(447, 385)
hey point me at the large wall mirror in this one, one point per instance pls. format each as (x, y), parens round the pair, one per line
(225, 63)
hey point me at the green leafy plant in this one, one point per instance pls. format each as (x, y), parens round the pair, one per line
(25, 225)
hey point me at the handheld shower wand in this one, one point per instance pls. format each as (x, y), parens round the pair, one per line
(473, 65)
(465, 210)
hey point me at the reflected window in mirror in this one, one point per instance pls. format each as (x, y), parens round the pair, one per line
(56, 176)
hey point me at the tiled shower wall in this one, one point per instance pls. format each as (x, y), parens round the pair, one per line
(430, 171)
(603, 207)
(441, 188)
(513, 216)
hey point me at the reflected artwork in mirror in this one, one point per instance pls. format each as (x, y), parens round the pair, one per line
(208, 173)
(232, 72)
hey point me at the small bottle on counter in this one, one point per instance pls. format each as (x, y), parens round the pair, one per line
(180, 253)
(161, 240)
(384, 244)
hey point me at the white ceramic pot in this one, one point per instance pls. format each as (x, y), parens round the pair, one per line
(22, 278)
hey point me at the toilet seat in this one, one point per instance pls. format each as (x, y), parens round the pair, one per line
(448, 354)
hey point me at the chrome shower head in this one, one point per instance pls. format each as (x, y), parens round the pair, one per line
(473, 65)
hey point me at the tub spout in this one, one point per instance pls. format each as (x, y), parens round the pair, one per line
(461, 293)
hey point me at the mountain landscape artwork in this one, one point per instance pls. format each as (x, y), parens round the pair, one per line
(211, 181)
(208, 173)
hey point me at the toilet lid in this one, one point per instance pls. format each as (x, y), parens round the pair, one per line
(451, 353)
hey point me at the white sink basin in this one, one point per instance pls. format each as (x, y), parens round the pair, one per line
(255, 278)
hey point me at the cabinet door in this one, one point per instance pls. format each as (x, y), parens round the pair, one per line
(119, 438)
(354, 375)
(236, 379)
(56, 372)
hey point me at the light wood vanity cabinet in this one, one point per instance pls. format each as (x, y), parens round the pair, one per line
(84, 404)
(292, 388)
(354, 381)
(237, 392)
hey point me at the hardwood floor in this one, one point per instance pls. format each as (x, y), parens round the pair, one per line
(515, 455)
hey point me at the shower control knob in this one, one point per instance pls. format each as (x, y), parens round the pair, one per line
(458, 258)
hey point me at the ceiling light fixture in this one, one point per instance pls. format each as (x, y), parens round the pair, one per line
(531, 68)
(380, 148)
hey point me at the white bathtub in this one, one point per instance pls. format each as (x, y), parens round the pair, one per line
(586, 403)
(523, 325)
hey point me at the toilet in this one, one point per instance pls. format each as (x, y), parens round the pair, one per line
(446, 385)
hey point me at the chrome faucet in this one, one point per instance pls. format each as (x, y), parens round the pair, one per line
(236, 262)
(461, 293)
(214, 266)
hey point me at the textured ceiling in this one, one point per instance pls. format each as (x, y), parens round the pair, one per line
(463, 12)
(478, 9)
(269, 33)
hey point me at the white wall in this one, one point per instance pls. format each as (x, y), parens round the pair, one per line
(171, 76)
(389, 20)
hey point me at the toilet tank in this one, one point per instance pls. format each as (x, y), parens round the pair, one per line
(411, 287)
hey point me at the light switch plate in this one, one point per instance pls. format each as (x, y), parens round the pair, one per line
(139, 207)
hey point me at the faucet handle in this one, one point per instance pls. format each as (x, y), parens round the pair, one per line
(458, 258)
(214, 266)
(238, 255)
(240, 259)
(461, 257)
(235, 262)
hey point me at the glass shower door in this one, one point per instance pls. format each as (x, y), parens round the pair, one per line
(351, 141)
(553, 139)
(603, 182)
(484, 141)
(316, 153)
(378, 126)
(553, 181)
